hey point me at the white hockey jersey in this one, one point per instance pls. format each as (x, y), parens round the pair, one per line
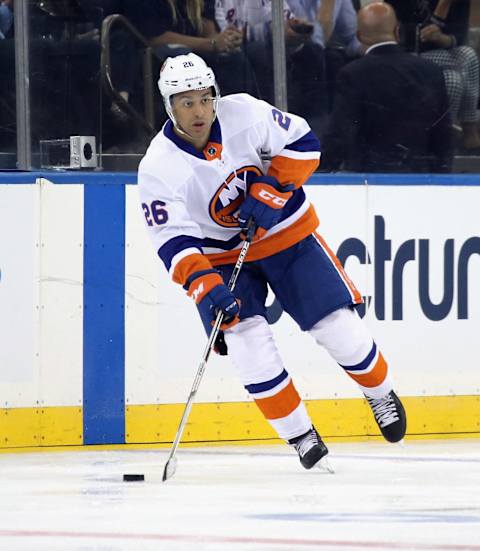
(191, 198)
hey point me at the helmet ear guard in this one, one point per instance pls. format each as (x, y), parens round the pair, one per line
(181, 74)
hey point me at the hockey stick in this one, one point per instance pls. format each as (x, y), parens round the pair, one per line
(171, 464)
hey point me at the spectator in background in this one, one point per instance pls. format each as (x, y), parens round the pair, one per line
(6, 18)
(252, 18)
(177, 27)
(335, 30)
(334, 21)
(438, 30)
(305, 58)
(391, 110)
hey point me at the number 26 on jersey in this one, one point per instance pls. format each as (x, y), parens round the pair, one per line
(155, 213)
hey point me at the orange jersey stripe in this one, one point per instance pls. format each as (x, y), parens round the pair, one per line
(188, 266)
(281, 404)
(375, 377)
(292, 171)
(357, 297)
(277, 242)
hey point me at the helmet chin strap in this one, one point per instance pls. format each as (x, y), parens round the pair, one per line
(178, 128)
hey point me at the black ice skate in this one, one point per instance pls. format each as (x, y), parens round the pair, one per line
(390, 416)
(310, 448)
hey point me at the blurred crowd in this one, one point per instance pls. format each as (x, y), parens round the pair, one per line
(389, 86)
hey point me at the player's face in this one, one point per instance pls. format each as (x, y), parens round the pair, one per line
(193, 111)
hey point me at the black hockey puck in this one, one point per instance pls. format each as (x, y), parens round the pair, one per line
(133, 477)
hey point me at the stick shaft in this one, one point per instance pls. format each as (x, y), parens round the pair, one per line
(206, 353)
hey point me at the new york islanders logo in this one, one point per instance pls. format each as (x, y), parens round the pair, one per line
(230, 195)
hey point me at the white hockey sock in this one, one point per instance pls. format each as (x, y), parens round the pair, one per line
(347, 339)
(258, 364)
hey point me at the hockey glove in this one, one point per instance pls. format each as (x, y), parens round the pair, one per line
(212, 296)
(264, 204)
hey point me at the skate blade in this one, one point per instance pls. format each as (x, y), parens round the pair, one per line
(324, 466)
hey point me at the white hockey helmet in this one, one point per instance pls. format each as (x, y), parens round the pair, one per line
(183, 73)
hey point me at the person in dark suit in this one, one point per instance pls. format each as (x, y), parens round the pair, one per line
(391, 111)
(438, 31)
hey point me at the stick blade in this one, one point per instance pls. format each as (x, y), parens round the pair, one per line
(170, 468)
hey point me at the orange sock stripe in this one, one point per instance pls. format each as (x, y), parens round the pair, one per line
(357, 297)
(281, 404)
(375, 377)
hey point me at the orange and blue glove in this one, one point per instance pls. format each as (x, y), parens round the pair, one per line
(212, 296)
(264, 203)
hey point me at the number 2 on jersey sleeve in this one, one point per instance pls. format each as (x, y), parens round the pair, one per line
(281, 119)
(155, 213)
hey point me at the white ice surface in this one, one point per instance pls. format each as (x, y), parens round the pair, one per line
(425, 495)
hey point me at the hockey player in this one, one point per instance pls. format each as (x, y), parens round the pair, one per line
(202, 179)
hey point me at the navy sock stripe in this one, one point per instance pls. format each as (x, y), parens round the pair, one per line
(267, 385)
(363, 364)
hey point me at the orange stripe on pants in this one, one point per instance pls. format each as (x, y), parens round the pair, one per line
(281, 404)
(357, 297)
(375, 377)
